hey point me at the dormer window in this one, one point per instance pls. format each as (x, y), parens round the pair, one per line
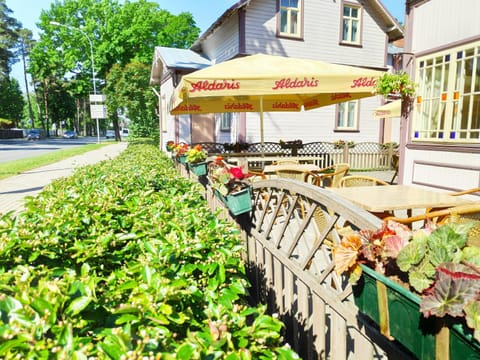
(351, 24)
(290, 18)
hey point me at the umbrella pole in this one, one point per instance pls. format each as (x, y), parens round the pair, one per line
(261, 125)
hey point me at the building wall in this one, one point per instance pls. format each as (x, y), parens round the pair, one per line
(434, 25)
(223, 43)
(439, 22)
(321, 35)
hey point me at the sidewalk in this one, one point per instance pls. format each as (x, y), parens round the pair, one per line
(13, 189)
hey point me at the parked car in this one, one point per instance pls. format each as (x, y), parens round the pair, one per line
(110, 134)
(35, 134)
(124, 132)
(70, 134)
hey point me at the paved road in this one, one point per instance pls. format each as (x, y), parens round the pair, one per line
(16, 149)
(15, 188)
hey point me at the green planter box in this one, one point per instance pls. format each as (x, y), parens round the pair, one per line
(182, 159)
(397, 312)
(239, 202)
(199, 168)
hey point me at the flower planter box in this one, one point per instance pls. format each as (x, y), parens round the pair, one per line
(239, 202)
(397, 312)
(182, 159)
(199, 168)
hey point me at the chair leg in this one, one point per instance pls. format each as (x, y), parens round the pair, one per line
(394, 176)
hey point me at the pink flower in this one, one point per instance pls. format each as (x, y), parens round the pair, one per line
(237, 173)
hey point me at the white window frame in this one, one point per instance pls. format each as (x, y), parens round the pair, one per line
(225, 121)
(347, 116)
(348, 22)
(447, 105)
(288, 9)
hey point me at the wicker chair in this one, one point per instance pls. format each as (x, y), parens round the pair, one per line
(363, 180)
(360, 180)
(459, 214)
(329, 176)
(458, 193)
(287, 161)
(292, 173)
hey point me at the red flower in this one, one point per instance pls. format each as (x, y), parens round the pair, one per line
(236, 172)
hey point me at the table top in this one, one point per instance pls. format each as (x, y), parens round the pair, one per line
(269, 169)
(397, 197)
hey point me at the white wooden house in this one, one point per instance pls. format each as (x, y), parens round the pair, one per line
(353, 32)
(442, 134)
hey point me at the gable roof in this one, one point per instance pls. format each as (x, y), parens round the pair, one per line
(179, 59)
(217, 23)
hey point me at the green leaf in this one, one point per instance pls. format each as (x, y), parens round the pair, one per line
(411, 254)
(185, 351)
(77, 305)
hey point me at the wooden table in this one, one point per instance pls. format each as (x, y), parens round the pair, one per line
(271, 169)
(397, 197)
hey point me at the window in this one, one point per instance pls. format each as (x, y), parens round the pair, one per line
(447, 107)
(225, 121)
(290, 18)
(347, 115)
(351, 24)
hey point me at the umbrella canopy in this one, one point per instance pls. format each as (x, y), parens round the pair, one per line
(389, 110)
(260, 83)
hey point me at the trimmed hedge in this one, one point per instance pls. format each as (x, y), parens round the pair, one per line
(124, 260)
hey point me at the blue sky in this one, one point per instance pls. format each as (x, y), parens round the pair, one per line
(205, 12)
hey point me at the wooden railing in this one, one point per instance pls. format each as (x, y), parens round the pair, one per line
(288, 238)
(363, 156)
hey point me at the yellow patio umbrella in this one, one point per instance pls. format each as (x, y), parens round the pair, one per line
(389, 110)
(263, 83)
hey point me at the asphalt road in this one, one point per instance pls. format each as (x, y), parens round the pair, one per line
(15, 149)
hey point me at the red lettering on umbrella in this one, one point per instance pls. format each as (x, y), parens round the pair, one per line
(288, 83)
(286, 105)
(238, 106)
(364, 82)
(340, 96)
(190, 107)
(215, 85)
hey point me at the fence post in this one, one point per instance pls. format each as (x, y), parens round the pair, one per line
(345, 153)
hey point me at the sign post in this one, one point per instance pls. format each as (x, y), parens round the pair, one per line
(98, 110)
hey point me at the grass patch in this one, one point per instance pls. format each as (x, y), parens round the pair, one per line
(16, 167)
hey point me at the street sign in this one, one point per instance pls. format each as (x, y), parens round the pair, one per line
(98, 98)
(98, 111)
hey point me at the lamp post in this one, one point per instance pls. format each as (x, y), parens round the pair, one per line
(55, 23)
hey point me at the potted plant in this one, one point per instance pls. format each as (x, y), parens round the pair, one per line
(230, 184)
(422, 288)
(236, 147)
(340, 144)
(181, 152)
(294, 145)
(196, 159)
(397, 85)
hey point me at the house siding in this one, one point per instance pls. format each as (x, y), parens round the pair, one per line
(223, 44)
(441, 24)
(321, 35)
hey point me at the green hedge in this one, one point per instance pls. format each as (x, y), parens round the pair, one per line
(124, 260)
